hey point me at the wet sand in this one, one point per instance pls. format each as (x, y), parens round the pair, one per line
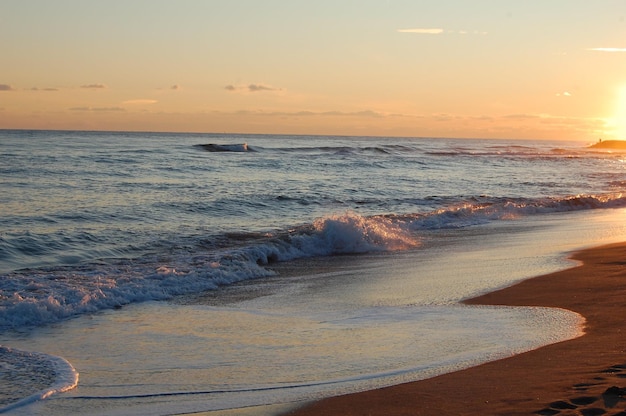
(583, 376)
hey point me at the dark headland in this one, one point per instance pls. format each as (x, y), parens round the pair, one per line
(609, 144)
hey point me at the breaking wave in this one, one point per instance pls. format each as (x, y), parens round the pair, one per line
(40, 296)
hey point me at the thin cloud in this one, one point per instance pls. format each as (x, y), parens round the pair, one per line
(44, 89)
(139, 101)
(423, 31)
(93, 86)
(467, 32)
(175, 87)
(251, 88)
(564, 94)
(261, 87)
(6, 87)
(97, 109)
(607, 49)
(439, 31)
(305, 113)
(445, 117)
(364, 113)
(521, 116)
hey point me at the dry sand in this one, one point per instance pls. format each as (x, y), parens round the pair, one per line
(584, 376)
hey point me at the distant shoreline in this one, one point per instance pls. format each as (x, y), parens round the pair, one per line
(609, 144)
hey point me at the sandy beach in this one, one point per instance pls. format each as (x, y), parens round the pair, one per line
(583, 376)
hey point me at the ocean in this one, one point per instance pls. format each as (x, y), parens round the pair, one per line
(170, 273)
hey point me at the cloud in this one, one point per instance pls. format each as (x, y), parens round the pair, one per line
(364, 113)
(260, 87)
(423, 31)
(607, 49)
(563, 94)
(97, 109)
(474, 32)
(6, 87)
(94, 86)
(521, 116)
(439, 31)
(305, 113)
(251, 88)
(175, 87)
(140, 101)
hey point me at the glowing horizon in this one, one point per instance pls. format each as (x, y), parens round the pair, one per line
(450, 69)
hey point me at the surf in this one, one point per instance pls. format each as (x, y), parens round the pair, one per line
(42, 296)
(237, 147)
(28, 377)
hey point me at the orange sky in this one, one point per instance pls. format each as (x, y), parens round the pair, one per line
(501, 69)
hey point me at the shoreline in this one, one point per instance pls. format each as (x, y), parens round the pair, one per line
(568, 377)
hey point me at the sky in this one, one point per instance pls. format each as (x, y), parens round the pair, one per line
(549, 69)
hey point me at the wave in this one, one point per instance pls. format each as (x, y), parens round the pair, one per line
(515, 151)
(29, 376)
(238, 147)
(481, 210)
(418, 148)
(41, 296)
(338, 150)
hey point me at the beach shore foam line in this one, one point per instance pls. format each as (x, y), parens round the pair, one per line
(21, 368)
(585, 374)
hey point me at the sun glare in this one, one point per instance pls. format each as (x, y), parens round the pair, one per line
(619, 116)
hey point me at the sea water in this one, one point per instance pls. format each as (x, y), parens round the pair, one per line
(188, 272)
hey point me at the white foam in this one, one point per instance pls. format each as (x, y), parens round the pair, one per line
(164, 358)
(65, 375)
(38, 297)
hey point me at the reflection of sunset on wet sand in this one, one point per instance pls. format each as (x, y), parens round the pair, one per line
(583, 375)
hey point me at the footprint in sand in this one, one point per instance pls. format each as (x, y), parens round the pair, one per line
(608, 401)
